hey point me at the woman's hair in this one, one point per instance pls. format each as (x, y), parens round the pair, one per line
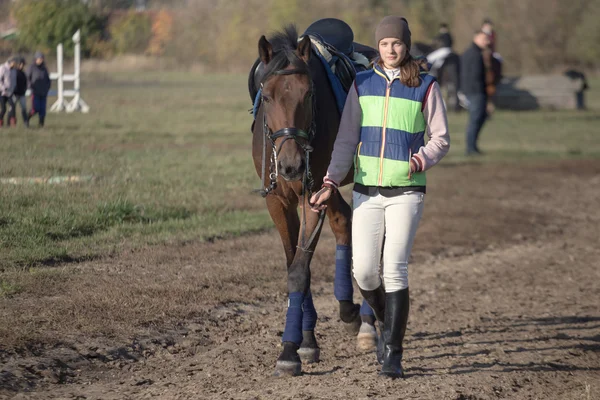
(410, 69)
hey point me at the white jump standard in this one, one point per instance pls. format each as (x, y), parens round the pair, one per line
(77, 103)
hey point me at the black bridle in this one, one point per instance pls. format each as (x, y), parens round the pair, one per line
(304, 140)
(287, 133)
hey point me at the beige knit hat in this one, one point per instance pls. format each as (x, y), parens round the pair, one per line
(393, 27)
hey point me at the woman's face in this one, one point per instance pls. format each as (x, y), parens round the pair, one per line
(392, 52)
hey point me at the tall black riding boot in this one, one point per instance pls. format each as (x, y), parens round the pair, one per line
(42, 119)
(376, 299)
(394, 327)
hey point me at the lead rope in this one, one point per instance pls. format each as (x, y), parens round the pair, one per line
(307, 186)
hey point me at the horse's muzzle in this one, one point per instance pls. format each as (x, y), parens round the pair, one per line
(292, 173)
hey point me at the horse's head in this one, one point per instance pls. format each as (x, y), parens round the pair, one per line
(287, 101)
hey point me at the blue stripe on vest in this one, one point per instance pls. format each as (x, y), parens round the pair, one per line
(398, 142)
(369, 83)
(370, 136)
(410, 93)
(418, 142)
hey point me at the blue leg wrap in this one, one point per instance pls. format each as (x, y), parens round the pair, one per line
(293, 319)
(309, 316)
(365, 309)
(342, 285)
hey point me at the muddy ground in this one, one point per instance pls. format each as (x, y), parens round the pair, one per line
(505, 285)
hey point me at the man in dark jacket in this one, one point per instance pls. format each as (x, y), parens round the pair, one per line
(472, 85)
(19, 93)
(39, 83)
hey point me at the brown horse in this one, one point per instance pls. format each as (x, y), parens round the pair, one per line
(293, 136)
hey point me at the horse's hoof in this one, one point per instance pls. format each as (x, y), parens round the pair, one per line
(287, 368)
(366, 340)
(353, 327)
(288, 363)
(309, 354)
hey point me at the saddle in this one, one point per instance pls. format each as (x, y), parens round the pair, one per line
(333, 43)
(335, 32)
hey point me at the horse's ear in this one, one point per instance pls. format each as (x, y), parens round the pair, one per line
(304, 48)
(265, 50)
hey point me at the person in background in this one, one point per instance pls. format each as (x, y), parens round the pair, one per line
(488, 28)
(493, 65)
(473, 86)
(20, 90)
(39, 83)
(8, 81)
(444, 38)
(443, 48)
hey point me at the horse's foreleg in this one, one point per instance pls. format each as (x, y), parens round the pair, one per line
(360, 319)
(309, 349)
(301, 315)
(287, 223)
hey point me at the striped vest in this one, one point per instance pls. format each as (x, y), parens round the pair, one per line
(392, 129)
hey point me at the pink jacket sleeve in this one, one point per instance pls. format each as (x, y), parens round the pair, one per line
(436, 130)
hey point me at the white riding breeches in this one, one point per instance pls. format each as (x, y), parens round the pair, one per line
(374, 219)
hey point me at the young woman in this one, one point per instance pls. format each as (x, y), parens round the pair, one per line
(387, 113)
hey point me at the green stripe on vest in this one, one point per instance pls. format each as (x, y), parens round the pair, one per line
(395, 173)
(366, 170)
(403, 114)
(372, 110)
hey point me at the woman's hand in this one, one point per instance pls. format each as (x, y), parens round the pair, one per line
(415, 165)
(317, 199)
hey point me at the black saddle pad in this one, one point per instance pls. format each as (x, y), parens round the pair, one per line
(334, 32)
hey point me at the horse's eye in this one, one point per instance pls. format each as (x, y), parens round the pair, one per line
(266, 99)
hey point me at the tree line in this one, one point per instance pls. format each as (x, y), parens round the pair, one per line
(533, 35)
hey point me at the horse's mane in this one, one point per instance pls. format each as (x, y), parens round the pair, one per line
(285, 44)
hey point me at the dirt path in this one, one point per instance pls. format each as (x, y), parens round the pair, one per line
(505, 289)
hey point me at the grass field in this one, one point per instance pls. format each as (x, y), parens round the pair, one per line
(170, 157)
